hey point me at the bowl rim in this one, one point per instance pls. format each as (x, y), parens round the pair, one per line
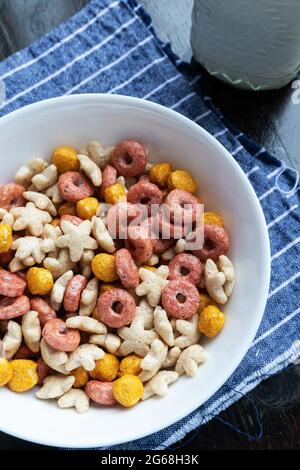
(105, 98)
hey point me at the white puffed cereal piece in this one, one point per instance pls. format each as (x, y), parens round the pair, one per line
(145, 311)
(53, 193)
(214, 282)
(25, 173)
(53, 358)
(91, 169)
(159, 384)
(90, 325)
(190, 359)
(108, 341)
(227, 268)
(136, 338)
(99, 154)
(55, 386)
(189, 332)
(76, 239)
(50, 235)
(152, 261)
(85, 263)
(46, 178)
(102, 235)
(85, 356)
(152, 284)
(154, 360)
(31, 218)
(168, 254)
(31, 329)
(12, 339)
(16, 265)
(60, 264)
(89, 297)
(75, 398)
(172, 356)
(180, 246)
(163, 326)
(59, 289)
(41, 201)
(6, 217)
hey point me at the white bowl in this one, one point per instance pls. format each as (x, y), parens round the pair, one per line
(74, 120)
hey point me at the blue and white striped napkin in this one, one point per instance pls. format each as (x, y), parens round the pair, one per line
(110, 47)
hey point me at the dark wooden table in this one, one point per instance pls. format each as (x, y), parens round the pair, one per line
(269, 118)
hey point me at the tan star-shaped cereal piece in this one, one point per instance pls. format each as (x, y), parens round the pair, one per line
(28, 250)
(153, 284)
(50, 235)
(31, 218)
(76, 238)
(136, 338)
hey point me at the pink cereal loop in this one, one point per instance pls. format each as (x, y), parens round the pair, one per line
(59, 336)
(45, 312)
(127, 269)
(180, 299)
(11, 285)
(129, 158)
(100, 392)
(73, 293)
(74, 186)
(11, 195)
(145, 193)
(116, 308)
(186, 266)
(109, 177)
(216, 243)
(13, 307)
(118, 218)
(139, 244)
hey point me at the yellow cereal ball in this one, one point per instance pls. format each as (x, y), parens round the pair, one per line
(39, 281)
(24, 376)
(104, 267)
(213, 218)
(67, 208)
(106, 368)
(128, 390)
(65, 159)
(130, 365)
(5, 237)
(150, 268)
(81, 377)
(114, 194)
(6, 371)
(211, 321)
(181, 179)
(160, 173)
(55, 222)
(205, 300)
(87, 207)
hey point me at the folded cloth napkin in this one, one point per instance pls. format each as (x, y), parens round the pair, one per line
(110, 46)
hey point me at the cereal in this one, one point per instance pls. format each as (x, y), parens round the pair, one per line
(145, 311)
(181, 179)
(99, 154)
(89, 298)
(212, 218)
(126, 269)
(81, 377)
(54, 194)
(41, 201)
(211, 321)
(24, 375)
(227, 268)
(100, 392)
(55, 386)
(172, 356)
(85, 356)
(138, 243)
(25, 173)
(31, 218)
(24, 352)
(59, 289)
(29, 250)
(13, 307)
(74, 186)
(106, 369)
(86, 208)
(6, 217)
(75, 398)
(10, 284)
(12, 340)
(129, 158)
(76, 239)
(159, 174)
(90, 325)
(136, 338)
(189, 332)
(109, 178)
(162, 326)
(145, 193)
(91, 169)
(68, 208)
(104, 267)
(152, 284)
(65, 159)
(85, 263)
(152, 261)
(6, 371)
(186, 266)
(205, 300)
(39, 281)
(153, 360)
(108, 341)
(5, 238)
(116, 308)
(214, 282)
(73, 293)
(42, 370)
(158, 385)
(190, 359)
(216, 243)
(128, 390)
(102, 235)
(56, 360)
(31, 329)
(130, 365)
(180, 299)
(11, 196)
(119, 216)
(114, 194)
(56, 333)
(59, 265)
(45, 179)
